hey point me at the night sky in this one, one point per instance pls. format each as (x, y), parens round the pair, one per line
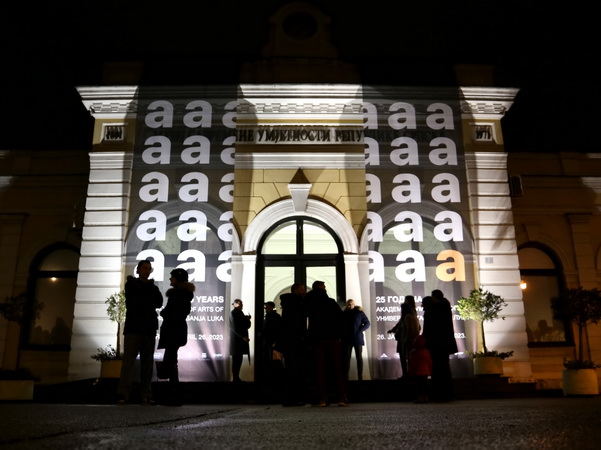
(547, 49)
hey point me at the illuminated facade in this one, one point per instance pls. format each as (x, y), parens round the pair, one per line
(395, 191)
(381, 191)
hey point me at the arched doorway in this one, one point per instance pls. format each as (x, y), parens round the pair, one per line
(297, 249)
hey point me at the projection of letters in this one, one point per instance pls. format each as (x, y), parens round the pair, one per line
(417, 204)
(155, 192)
(451, 230)
(194, 231)
(229, 118)
(228, 154)
(404, 119)
(191, 187)
(409, 190)
(370, 116)
(197, 191)
(447, 192)
(159, 153)
(199, 151)
(183, 190)
(412, 270)
(200, 115)
(154, 229)
(413, 267)
(226, 231)
(373, 228)
(160, 115)
(372, 152)
(408, 231)
(406, 153)
(376, 267)
(159, 150)
(442, 117)
(226, 193)
(181, 212)
(452, 270)
(446, 153)
(224, 271)
(373, 188)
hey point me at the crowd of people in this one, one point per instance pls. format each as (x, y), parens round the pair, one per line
(313, 339)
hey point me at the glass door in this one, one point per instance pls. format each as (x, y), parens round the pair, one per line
(296, 250)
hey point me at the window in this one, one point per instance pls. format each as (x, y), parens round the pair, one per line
(53, 282)
(541, 274)
(299, 250)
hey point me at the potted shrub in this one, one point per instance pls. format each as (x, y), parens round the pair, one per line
(17, 383)
(484, 306)
(580, 307)
(111, 358)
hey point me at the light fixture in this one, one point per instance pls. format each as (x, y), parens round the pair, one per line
(53, 279)
(523, 285)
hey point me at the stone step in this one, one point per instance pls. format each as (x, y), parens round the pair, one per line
(103, 391)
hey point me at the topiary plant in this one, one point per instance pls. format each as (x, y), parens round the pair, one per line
(116, 311)
(19, 309)
(482, 306)
(581, 307)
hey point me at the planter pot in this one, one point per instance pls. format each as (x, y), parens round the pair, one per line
(488, 366)
(580, 382)
(110, 368)
(16, 389)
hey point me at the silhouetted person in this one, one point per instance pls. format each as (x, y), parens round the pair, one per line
(325, 334)
(174, 330)
(292, 342)
(440, 340)
(142, 299)
(272, 324)
(355, 323)
(405, 331)
(239, 325)
(419, 368)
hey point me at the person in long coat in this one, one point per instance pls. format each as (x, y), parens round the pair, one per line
(292, 342)
(405, 331)
(410, 329)
(142, 299)
(355, 323)
(325, 331)
(174, 330)
(239, 325)
(440, 340)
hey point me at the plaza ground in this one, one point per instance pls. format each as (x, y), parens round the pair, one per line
(513, 423)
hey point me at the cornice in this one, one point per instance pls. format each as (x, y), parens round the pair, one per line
(110, 101)
(291, 99)
(487, 101)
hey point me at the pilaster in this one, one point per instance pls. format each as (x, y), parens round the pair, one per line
(496, 256)
(101, 261)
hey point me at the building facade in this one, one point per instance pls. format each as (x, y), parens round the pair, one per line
(300, 173)
(381, 192)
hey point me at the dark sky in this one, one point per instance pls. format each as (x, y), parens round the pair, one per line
(547, 49)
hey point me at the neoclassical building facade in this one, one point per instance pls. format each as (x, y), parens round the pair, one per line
(381, 191)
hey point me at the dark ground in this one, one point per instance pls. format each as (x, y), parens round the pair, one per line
(524, 423)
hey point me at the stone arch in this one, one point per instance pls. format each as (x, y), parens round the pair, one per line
(315, 209)
(524, 238)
